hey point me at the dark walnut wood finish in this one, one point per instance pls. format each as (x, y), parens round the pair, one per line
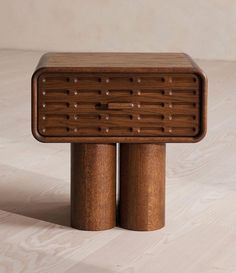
(149, 98)
(93, 186)
(142, 186)
(108, 98)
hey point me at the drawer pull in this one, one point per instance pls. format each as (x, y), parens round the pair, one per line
(120, 105)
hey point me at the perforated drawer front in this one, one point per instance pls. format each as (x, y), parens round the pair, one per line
(120, 105)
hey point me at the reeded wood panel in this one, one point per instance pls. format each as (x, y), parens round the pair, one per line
(117, 105)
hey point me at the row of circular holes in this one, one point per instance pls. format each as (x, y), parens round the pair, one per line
(138, 80)
(132, 117)
(106, 130)
(76, 92)
(170, 105)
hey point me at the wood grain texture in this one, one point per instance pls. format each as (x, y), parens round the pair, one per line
(199, 235)
(167, 105)
(142, 186)
(93, 186)
(71, 105)
(103, 61)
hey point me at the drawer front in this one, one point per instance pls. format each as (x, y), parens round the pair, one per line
(118, 105)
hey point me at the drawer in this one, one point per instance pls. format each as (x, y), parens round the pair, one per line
(118, 107)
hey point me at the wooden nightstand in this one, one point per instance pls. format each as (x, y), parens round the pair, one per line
(95, 100)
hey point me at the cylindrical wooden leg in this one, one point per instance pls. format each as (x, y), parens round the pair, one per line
(93, 186)
(142, 186)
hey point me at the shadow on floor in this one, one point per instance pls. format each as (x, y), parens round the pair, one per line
(34, 195)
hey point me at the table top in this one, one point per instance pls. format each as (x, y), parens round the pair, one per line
(140, 62)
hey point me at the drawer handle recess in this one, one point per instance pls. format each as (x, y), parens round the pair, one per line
(120, 105)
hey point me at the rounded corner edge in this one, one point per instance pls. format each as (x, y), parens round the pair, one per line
(37, 73)
(200, 73)
(186, 55)
(34, 80)
(202, 134)
(37, 135)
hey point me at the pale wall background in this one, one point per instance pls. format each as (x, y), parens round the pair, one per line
(202, 28)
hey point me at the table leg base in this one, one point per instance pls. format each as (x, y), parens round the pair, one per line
(93, 186)
(142, 186)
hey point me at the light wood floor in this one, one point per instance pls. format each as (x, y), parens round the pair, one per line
(200, 232)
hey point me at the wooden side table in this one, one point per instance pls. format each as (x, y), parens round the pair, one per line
(95, 100)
